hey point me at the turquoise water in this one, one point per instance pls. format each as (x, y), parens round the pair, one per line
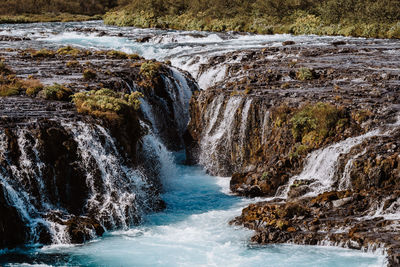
(192, 231)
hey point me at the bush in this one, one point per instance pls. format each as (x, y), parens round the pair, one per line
(150, 69)
(313, 123)
(106, 103)
(68, 50)
(55, 92)
(304, 74)
(89, 74)
(307, 24)
(43, 53)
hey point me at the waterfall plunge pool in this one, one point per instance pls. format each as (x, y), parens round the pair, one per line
(192, 231)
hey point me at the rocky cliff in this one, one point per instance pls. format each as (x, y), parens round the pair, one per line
(315, 128)
(69, 172)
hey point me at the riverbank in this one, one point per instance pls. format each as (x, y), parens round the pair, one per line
(47, 17)
(297, 24)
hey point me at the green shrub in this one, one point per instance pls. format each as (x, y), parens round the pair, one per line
(106, 103)
(313, 123)
(150, 69)
(304, 74)
(89, 74)
(55, 92)
(307, 24)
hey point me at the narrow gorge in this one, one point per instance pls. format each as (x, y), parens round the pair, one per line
(306, 127)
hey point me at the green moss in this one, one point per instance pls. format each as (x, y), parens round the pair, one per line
(106, 103)
(304, 74)
(55, 92)
(89, 74)
(313, 123)
(265, 176)
(150, 69)
(68, 50)
(43, 53)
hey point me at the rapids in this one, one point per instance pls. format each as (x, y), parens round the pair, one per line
(193, 230)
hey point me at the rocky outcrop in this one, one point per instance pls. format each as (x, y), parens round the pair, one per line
(67, 177)
(316, 134)
(256, 124)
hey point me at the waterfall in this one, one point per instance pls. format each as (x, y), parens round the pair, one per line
(219, 133)
(118, 196)
(321, 165)
(212, 76)
(181, 98)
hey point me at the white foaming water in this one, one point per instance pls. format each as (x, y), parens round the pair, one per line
(180, 93)
(187, 50)
(321, 165)
(165, 165)
(211, 76)
(194, 231)
(118, 194)
(218, 133)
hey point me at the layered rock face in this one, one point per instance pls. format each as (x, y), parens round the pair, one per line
(278, 104)
(66, 177)
(314, 127)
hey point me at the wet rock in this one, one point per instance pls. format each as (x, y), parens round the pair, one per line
(13, 231)
(288, 43)
(144, 39)
(82, 229)
(340, 202)
(44, 152)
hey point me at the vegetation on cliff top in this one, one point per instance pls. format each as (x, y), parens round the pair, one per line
(82, 7)
(367, 18)
(312, 124)
(106, 103)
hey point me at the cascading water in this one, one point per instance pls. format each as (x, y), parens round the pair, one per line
(193, 230)
(219, 133)
(118, 193)
(321, 165)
